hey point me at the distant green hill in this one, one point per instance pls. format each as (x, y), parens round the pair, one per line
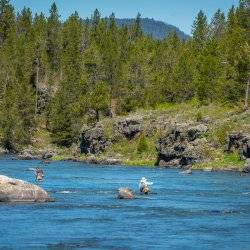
(157, 29)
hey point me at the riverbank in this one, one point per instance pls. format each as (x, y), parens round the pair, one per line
(183, 135)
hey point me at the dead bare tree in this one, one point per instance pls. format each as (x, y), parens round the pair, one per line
(247, 93)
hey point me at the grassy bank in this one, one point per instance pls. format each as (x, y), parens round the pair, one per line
(141, 150)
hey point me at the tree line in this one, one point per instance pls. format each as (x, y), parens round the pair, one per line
(67, 73)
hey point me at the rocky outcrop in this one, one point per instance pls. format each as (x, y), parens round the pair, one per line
(28, 156)
(93, 141)
(14, 190)
(240, 142)
(125, 193)
(128, 127)
(180, 146)
(246, 168)
(31, 154)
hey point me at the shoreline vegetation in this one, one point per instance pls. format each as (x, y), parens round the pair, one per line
(141, 150)
(90, 90)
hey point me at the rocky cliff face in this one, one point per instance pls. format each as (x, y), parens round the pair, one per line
(180, 146)
(240, 142)
(93, 141)
(179, 142)
(128, 127)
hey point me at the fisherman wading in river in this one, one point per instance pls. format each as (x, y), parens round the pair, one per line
(144, 185)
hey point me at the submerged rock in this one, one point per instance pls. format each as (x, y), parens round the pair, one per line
(125, 193)
(188, 171)
(14, 190)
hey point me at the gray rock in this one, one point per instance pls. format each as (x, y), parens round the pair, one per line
(14, 190)
(128, 127)
(188, 171)
(239, 141)
(3, 151)
(125, 193)
(48, 155)
(208, 169)
(28, 156)
(169, 164)
(246, 168)
(104, 161)
(195, 132)
(180, 147)
(93, 141)
(110, 161)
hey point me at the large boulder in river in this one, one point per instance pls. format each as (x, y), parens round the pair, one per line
(240, 142)
(14, 190)
(93, 141)
(125, 193)
(180, 146)
(128, 127)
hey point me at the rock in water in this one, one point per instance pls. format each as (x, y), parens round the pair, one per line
(188, 171)
(14, 190)
(125, 193)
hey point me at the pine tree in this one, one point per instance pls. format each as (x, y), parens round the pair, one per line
(53, 38)
(200, 30)
(207, 73)
(136, 28)
(217, 26)
(64, 118)
(7, 20)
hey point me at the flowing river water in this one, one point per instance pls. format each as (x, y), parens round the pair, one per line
(199, 211)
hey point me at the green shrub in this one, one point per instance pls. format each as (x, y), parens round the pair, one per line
(221, 133)
(198, 116)
(142, 145)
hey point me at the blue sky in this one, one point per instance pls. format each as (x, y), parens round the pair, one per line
(180, 13)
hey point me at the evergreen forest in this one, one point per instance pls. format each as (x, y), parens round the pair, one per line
(64, 74)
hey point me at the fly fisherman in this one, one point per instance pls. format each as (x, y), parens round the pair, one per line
(39, 174)
(144, 185)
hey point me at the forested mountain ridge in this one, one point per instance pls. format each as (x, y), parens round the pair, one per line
(156, 29)
(64, 76)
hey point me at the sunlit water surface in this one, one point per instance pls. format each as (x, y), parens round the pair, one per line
(198, 211)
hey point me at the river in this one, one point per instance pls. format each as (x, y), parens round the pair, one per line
(199, 211)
